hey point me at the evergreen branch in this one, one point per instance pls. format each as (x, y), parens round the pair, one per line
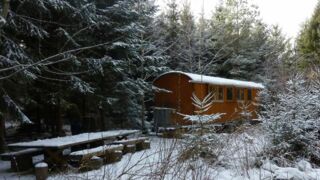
(24, 67)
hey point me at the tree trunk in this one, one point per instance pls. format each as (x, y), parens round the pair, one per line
(143, 127)
(85, 124)
(5, 10)
(102, 123)
(59, 118)
(2, 134)
(6, 6)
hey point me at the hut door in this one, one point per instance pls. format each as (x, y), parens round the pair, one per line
(162, 117)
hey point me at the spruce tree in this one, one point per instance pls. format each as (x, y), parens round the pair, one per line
(239, 40)
(308, 41)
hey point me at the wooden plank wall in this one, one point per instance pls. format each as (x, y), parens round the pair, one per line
(180, 98)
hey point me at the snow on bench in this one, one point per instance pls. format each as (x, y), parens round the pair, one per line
(132, 145)
(98, 151)
(68, 141)
(131, 141)
(26, 152)
(21, 160)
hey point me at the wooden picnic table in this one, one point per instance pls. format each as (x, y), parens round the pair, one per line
(53, 148)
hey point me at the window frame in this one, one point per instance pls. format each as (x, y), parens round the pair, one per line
(232, 91)
(240, 95)
(216, 92)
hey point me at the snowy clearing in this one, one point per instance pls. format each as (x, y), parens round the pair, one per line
(236, 161)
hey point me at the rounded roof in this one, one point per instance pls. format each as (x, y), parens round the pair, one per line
(197, 78)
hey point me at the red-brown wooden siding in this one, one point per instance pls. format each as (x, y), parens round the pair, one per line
(180, 98)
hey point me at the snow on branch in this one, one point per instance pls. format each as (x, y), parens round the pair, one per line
(203, 118)
(80, 85)
(15, 108)
(158, 90)
(2, 21)
(203, 106)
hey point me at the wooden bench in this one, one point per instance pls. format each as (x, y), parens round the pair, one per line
(110, 153)
(135, 144)
(21, 160)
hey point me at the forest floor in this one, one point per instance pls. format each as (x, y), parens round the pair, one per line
(236, 161)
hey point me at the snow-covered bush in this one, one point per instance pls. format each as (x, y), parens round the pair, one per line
(293, 121)
(201, 142)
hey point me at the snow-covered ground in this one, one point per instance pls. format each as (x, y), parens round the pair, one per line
(237, 161)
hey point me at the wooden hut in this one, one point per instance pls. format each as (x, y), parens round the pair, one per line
(174, 91)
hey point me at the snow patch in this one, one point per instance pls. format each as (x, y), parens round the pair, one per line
(41, 165)
(304, 165)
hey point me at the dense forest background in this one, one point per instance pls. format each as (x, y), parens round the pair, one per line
(92, 62)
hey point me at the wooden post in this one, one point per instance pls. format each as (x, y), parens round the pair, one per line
(41, 171)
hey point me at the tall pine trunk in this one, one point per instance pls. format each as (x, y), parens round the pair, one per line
(59, 118)
(2, 134)
(6, 6)
(4, 13)
(143, 126)
(102, 123)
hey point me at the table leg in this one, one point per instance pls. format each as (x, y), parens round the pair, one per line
(55, 158)
(21, 163)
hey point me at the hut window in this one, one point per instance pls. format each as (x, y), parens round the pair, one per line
(240, 94)
(217, 92)
(249, 97)
(229, 93)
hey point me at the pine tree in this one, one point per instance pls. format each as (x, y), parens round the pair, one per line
(293, 120)
(102, 54)
(240, 39)
(186, 43)
(168, 29)
(308, 43)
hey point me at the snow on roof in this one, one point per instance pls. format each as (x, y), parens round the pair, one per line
(197, 78)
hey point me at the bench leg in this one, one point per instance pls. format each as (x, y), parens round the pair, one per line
(113, 156)
(21, 163)
(139, 146)
(143, 145)
(130, 148)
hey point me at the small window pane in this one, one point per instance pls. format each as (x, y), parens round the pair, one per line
(217, 92)
(229, 94)
(220, 93)
(240, 94)
(249, 94)
(213, 91)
